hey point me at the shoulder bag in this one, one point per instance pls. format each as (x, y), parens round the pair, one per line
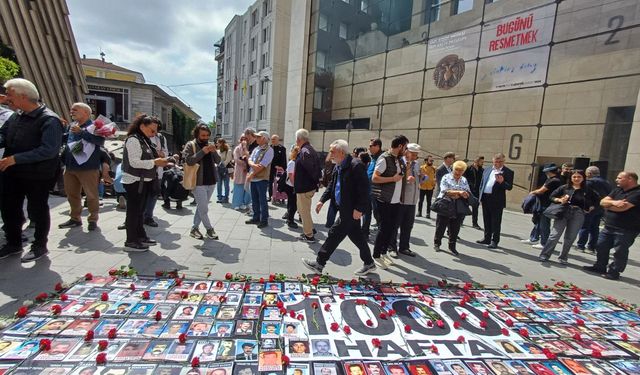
(444, 206)
(190, 178)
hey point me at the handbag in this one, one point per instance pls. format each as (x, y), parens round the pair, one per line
(190, 178)
(555, 211)
(444, 206)
(462, 207)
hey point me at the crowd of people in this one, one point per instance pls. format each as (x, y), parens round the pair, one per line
(361, 186)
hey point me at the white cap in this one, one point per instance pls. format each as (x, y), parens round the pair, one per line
(414, 147)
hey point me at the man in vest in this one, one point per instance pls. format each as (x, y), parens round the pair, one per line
(82, 167)
(306, 179)
(32, 141)
(388, 178)
(260, 166)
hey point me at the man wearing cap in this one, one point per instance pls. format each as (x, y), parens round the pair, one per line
(260, 167)
(542, 227)
(408, 200)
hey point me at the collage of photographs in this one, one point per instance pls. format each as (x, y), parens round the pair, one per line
(166, 326)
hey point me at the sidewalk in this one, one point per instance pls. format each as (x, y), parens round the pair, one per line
(248, 250)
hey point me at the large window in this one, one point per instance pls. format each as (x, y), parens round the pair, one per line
(323, 23)
(343, 31)
(461, 6)
(111, 102)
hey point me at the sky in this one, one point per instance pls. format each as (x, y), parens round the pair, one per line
(169, 42)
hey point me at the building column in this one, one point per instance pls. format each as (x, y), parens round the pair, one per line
(633, 151)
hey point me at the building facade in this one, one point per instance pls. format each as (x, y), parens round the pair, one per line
(539, 80)
(255, 67)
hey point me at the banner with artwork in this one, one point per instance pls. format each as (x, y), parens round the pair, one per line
(121, 325)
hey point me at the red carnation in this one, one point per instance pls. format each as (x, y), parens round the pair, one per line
(272, 278)
(505, 286)
(96, 314)
(576, 310)
(411, 308)
(89, 335)
(113, 272)
(341, 284)
(56, 309)
(41, 297)
(577, 337)
(104, 296)
(102, 345)
(327, 307)
(346, 330)
(184, 294)
(112, 334)
(178, 281)
(306, 294)
(146, 294)
(158, 316)
(462, 302)
(88, 276)
(383, 304)
(624, 337)
(285, 361)
(392, 312)
(45, 345)
(483, 324)
(182, 338)
(292, 314)
(354, 281)
(505, 332)
(360, 301)
(407, 328)
(314, 305)
(280, 304)
(261, 281)
(58, 287)
(222, 299)
(440, 323)
(463, 316)
(377, 297)
(383, 316)
(596, 353)
(369, 323)
(524, 332)
(195, 362)
(101, 358)
(429, 323)
(132, 286)
(467, 286)
(461, 339)
(64, 297)
(485, 314)
(549, 354)
(579, 322)
(335, 327)
(159, 273)
(509, 322)
(300, 317)
(228, 276)
(434, 349)
(376, 342)
(341, 295)
(456, 324)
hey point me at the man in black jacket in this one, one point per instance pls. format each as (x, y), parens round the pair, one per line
(306, 179)
(279, 161)
(496, 181)
(473, 174)
(349, 191)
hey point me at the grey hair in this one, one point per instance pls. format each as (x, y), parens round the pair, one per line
(23, 87)
(593, 171)
(302, 134)
(250, 131)
(339, 144)
(84, 106)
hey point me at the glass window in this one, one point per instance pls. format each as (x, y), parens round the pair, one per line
(251, 92)
(254, 18)
(318, 98)
(364, 6)
(343, 31)
(250, 118)
(265, 34)
(346, 1)
(323, 23)
(461, 6)
(262, 112)
(321, 60)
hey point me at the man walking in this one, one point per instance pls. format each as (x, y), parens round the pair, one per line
(279, 161)
(32, 141)
(427, 184)
(388, 179)
(473, 174)
(82, 168)
(349, 192)
(260, 166)
(621, 226)
(591, 226)
(496, 182)
(410, 193)
(306, 179)
(375, 150)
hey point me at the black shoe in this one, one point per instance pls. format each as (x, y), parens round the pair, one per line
(437, 248)
(314, 231)
(179, 206)
(407, 252)
(150, 222)
(70, 224)
(149, 241)
(268, 199)
(263, 224)
(476, 226)
(135, 247)
(428, 216)
(304, 238)
(611, 276)
(453, 251)
(219, 201)
(418, 214)
(252, 221)
(122, 227)
(492, 245)
(594, 269)
(285, 216)
(167, 206)
(193, 203)
(93, 225)
(292, 225)
(483, 242)
(34, 254)
(8, 251)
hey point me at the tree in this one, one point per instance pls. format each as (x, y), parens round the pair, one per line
(8, 69)
(213, 126)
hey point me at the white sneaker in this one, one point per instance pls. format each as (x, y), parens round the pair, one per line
(393, 253)
(211, 234)
(538, 246)
(380, 263)
(387, 259)
(528, 241)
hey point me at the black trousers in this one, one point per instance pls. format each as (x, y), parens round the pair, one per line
(453, 224)
(429, 195)
(14, 192)
(345, 226)
(389, 222)
(406, 219)
(492, 217)
(136, 201)
(292, 203)
(474, 210)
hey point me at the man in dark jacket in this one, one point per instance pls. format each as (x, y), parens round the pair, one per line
(306, 178)
(496, 181)
(32, 141)
(473, 174)
(348, 190)
(82, 167)
(279, 161)
(591, 226)
(445, 167)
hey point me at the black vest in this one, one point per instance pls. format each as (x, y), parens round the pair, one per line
(384, 192)
(24, 133)
(147, 154)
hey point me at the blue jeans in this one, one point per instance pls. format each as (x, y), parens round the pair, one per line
(223, 179)
(259, 200)
(541, 230)
(620, 241)
(590, 230)
(241, 197)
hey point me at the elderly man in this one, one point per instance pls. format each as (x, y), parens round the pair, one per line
(591, 226)
(306, 178)
(260, 164)
(496, 181)
(279, 161)
(349, 191)
(621, 226)
(82, 167)
(32, 140)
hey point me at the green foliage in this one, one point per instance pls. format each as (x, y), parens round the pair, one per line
(182, 127)
(8, 69)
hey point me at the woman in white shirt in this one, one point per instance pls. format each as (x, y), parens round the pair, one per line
(226, 156)
(292, 206)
